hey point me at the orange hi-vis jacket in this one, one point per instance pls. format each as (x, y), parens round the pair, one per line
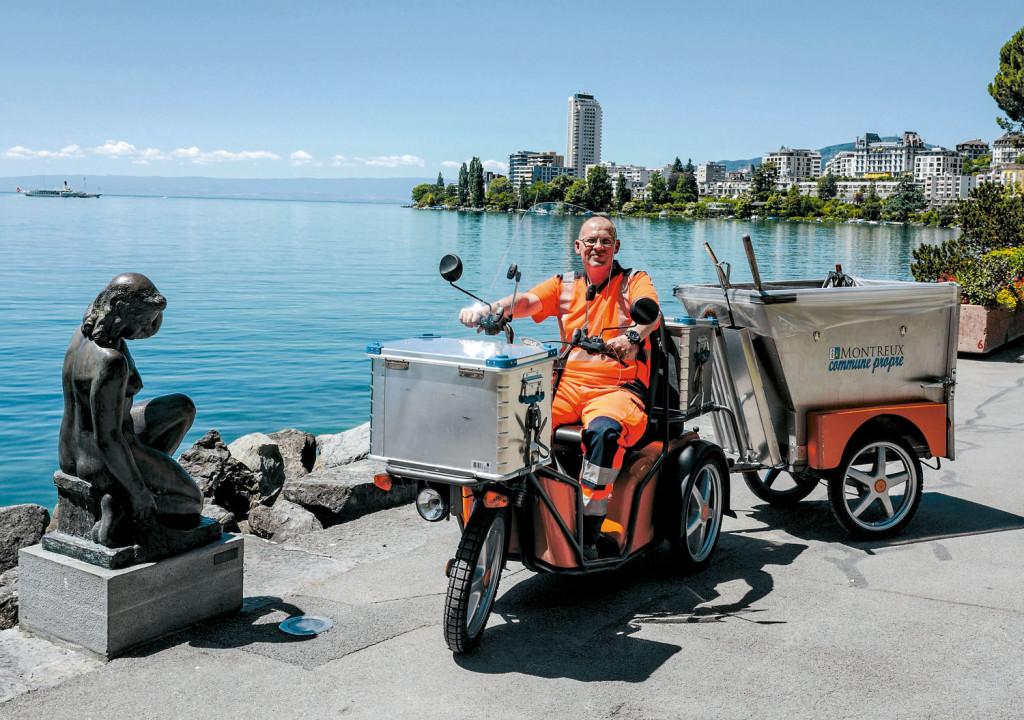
(565, 297)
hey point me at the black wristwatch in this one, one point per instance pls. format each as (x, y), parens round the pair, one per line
(633, 336)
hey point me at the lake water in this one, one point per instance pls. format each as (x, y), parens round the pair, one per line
(271, 303)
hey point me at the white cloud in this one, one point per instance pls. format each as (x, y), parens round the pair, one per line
(198, 157)
(451, 164)
(19, 152)
(124, 150)
(301, 157)
(496, 166)
(393, 161)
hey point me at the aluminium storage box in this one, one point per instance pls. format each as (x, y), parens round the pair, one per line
(460, 408)
(695, 339)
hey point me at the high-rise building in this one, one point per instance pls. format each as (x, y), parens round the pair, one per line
(583, 141)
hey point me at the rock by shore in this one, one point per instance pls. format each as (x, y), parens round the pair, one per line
(278, 486)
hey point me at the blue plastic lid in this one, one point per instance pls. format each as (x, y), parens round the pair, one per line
(374, 348)
(685, 320)
(501, 361)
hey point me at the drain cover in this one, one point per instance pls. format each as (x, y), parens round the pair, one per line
(306, 625)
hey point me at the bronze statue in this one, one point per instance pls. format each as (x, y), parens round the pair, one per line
(120, 447)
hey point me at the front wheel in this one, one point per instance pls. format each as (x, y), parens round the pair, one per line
(473, 579)
(703, 502)
(876, 489)
(780, 489)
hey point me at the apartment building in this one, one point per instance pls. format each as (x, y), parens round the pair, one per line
(710, 172)
(521, 165)
(637, 177)
(973, 149)
(947, 189)
(793, 164)
(937, 161)
(1007, 148)
(583, 139)
(873, 157)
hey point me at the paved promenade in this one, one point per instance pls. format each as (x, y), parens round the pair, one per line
(792, 620)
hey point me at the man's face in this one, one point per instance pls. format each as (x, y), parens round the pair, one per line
(597, 244)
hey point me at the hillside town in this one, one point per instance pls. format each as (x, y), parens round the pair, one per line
(873, 169)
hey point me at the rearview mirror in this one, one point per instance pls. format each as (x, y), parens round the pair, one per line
(451, 267)
(644, 311)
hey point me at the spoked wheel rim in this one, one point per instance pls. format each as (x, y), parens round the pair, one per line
(702, 512)
(486, 572)
(880, 486)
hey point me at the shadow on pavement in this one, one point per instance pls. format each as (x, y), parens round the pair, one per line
(938, 517)
(586, 627)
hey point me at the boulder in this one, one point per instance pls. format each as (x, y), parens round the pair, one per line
(9, 599)
(343, 448)
(298, 450)
(282, 521)
(336, 494)
(260, 454)
(20, 526)
(225, 517)
(219, 475)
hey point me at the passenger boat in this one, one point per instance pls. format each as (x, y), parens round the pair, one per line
(65, 192)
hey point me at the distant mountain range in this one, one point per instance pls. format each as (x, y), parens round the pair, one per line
(370, 190)
(827, 153)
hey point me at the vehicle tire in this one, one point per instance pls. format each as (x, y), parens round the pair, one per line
(778, 491)
(877, 487)
(473, 578)
(700, 515)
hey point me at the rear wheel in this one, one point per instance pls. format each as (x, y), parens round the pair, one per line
(876, 489)
(703, 501)
(473, 579)
(778, 488)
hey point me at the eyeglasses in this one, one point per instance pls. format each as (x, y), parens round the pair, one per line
(603, 242)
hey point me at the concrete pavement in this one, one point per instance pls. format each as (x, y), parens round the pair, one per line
(792, 619)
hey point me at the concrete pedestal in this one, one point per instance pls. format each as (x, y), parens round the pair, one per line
(110, 611)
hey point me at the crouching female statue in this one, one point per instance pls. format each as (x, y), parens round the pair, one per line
(122, 448)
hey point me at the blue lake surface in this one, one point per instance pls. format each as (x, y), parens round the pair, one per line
(271, 303)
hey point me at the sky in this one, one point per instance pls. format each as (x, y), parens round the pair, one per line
(261, 89)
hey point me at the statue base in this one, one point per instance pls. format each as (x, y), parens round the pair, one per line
(78, 510)
(110, 611)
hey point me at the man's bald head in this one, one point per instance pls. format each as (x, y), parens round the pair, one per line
(596, 226)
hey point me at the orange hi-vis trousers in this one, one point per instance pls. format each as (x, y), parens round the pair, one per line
(613, 419)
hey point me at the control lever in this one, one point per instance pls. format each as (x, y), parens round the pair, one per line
(594, 345)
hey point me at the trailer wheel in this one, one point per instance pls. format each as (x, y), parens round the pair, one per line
(780, 491)
(877, 488)
(700, 521)
(473, 579)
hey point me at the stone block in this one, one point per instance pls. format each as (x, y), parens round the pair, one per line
(108, 612)
(20, 526)
(982, 329)
(338, 494)
(343, 448)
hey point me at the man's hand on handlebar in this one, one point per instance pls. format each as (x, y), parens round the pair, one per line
(622, 347)
(472, 315)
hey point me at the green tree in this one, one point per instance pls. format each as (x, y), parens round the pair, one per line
(872, 207)
(421, 191)
(657, 189)
(991, 218)
(762, 182)
(946, 215)
(744, 206)
(451, 195)
(1007, 88)
(828, 187)
(476, 182)
(686, 190)
(440, 182)
(908, 197)
(463, 184)
(973, 167)
(622, 192)
(599, 189)
(576, 194)
(775, 205)
(794, 202)
(558, 187)
(501, 195)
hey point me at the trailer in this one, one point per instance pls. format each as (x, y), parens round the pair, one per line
(845, 381)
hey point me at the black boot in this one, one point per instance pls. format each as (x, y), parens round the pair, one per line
(591, 531)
